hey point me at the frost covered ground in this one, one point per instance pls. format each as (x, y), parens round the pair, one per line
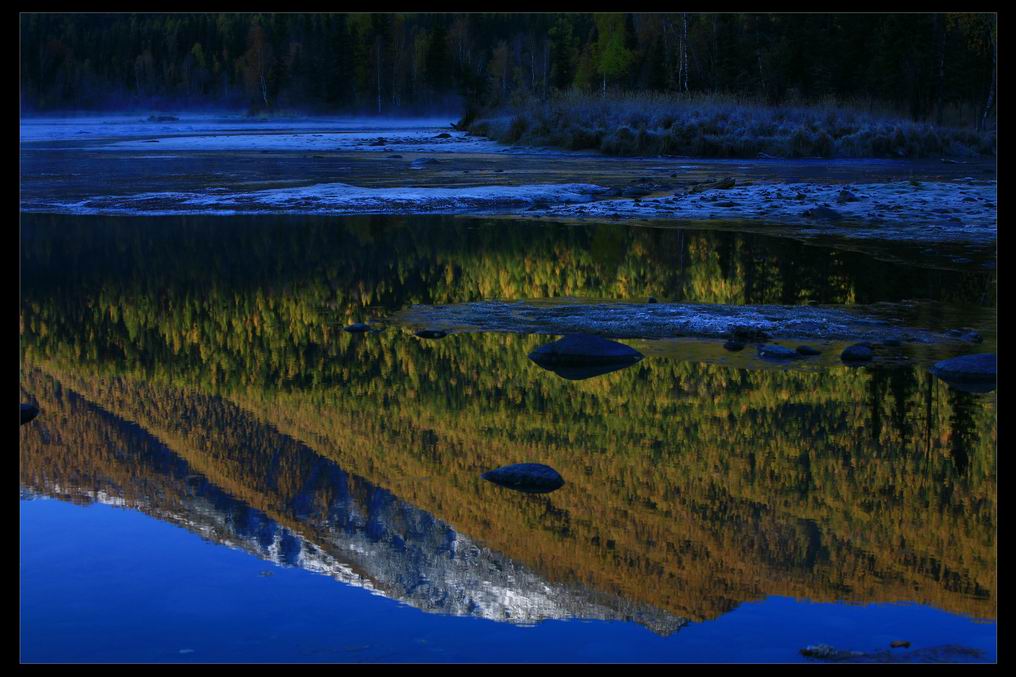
(336, 198)
(959, 210)
(220, 164)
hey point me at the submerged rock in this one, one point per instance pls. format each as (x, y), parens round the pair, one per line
(846, 196)
(970, 373)
(357, 327)
(652, 299)
(532, 478)
(28, 412)
(859, 352)
(771, 351)
(431, 333)
(443, 135)
(808, 350)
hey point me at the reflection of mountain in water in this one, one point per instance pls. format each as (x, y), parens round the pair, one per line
(362, 535)
(690, 487)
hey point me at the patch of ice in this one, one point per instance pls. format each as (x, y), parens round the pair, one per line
(329, 198)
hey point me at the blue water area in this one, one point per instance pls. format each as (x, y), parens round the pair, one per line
(101, 583)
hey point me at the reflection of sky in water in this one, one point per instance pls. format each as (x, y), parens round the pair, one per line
(101, 583)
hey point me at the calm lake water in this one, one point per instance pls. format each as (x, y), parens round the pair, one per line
(221, 473)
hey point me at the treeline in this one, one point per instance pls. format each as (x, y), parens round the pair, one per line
(264, 301)
(923, 65)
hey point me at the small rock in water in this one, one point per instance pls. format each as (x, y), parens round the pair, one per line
(443, 135)
(357, 327)
(749, 334)
(858, 352)
(970, 373)
(807, 350)
(966, 334)
(846, 196)
(431, 333)
(826, 652)
(532, 478)
(28, 412)
(721, 184)
(733, 346)
(420, 163)
(771, 351)
(652, 299)
(900, 644)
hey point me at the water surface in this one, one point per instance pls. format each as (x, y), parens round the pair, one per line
(264, 486)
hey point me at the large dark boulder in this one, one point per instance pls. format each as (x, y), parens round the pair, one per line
(28, 412)
(971, 373)
(581, 356)
(532, 478)
(585, 349)
(857, 353)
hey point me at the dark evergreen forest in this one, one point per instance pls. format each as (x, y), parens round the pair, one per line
(922, 66)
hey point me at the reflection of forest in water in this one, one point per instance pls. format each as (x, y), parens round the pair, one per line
(691, 487)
